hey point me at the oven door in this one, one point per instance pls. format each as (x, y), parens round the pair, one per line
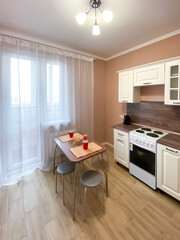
(143, 158)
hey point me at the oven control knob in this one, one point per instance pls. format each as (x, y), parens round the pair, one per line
(147, 143)
(151, 145)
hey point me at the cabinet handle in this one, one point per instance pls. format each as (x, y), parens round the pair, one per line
(168, 149)
(120, 134)
(176, 102)
(125, 101)
(147, 83)
(120, 140)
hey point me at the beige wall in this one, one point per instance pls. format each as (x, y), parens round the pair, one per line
(100, 100)
(163, 49)
(152, 93)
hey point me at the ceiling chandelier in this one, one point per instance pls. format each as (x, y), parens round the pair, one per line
(95, 4)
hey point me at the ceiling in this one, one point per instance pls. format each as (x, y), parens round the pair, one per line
(134, 23)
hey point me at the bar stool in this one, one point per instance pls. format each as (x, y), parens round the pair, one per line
(64, 168)
(89, 179)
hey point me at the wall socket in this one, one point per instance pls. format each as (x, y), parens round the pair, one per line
(121, 116)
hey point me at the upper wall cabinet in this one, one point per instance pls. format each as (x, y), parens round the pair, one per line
(149, 75)
(172, 83)
(127, 93)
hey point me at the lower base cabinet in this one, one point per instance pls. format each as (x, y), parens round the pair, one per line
(121, 147)
(168, 170)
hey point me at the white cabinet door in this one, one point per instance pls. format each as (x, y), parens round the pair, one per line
(127, 93)
(149, 75)
(121, 147)
(168, 170)
(172, 83)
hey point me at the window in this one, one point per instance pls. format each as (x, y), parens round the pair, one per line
(21, 81)
(52, 84)
(23, 126)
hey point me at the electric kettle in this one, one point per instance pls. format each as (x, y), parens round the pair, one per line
(127, 120)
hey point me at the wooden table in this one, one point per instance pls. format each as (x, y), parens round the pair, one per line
(65, 148)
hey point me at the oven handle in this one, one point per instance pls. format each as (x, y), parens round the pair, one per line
(168, 149)
(120, 140)
(136, 144)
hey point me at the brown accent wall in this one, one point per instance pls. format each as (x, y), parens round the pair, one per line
(100, 100)
(161, 50)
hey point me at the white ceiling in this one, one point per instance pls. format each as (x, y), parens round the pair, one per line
(135, 22)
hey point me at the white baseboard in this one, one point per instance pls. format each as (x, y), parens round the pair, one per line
(107, 143)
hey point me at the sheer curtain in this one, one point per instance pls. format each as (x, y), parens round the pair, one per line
(43, 91)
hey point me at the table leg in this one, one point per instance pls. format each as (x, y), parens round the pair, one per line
(107, 160)
(105, 173)
(75, 180)
(55, 150)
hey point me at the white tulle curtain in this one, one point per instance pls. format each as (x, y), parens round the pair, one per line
(43, 91)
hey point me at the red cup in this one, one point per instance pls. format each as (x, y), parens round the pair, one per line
(71, 133)
(85, 144)
(85, 136)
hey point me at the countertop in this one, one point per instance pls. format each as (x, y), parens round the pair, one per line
(170, 140)
(125, 128)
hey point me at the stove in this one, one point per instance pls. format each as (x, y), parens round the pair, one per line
(143, 162)
(146, 138)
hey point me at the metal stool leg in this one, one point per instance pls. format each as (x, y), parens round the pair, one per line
(96, 191)
(71, 179)
(63, 188)
(80, 191)
(56, 183)
(85, 191)
(103, 197)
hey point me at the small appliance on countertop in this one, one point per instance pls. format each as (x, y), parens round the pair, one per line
(127, 120)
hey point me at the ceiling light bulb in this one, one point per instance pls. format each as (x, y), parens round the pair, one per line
(96, 29)
(81, 18)
(107, 16)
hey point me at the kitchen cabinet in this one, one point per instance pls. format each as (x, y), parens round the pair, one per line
(168, 170)
(121, 147)
(172, 82)
(127, 93)
(149, 75)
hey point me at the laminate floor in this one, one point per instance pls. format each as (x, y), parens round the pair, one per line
(31, 210)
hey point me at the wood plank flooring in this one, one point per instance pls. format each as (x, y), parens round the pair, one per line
(31, 210)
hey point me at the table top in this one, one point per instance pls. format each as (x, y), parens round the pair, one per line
(65, 147)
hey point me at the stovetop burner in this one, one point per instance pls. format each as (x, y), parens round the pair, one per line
(152, 135)
(139, 131)
(146, 138)
(146, 129)
(158, 132)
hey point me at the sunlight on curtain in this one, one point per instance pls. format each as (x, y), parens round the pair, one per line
(43, 91)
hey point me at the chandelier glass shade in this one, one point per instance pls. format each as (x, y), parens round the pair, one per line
(95, 4)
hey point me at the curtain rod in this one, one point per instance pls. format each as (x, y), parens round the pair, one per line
(46, 45)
